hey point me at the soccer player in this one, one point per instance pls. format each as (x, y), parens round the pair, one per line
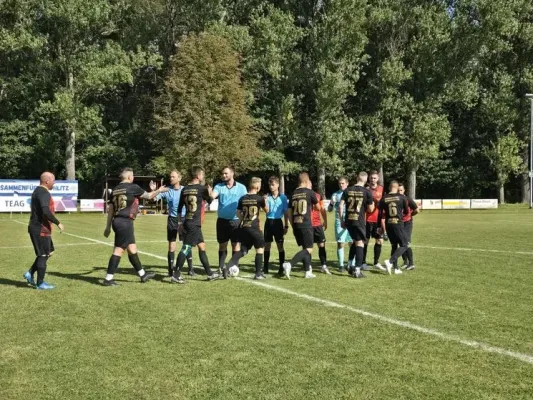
(276, 223)
(342, 235)
(319, 220)
(392, 208)
(412, 210)
(122, 211)
(249, 232)
(192, 197)
(358, 201)
(40, 230)
(302, 201)
(173, 198)
(372, 223)
(228, 194)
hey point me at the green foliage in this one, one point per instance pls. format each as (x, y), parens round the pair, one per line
(416, 87)
(202, 115)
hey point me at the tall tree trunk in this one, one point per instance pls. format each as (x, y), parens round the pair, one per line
(381, 177)
(321, 184)
(70, 152)
(282, 183)
(411, 184)
(524, 186)
(501, 194)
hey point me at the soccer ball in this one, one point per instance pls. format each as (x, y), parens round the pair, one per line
(234, 271)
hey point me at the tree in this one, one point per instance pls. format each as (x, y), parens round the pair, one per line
(202, 115)
(505, 158)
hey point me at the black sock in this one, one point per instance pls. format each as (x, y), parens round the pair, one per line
(267, 259)
(364, 255)
(179, 264)
(222, 254)
(205, 262)
(236, 257)
(359, 252)
(258, 264)
(189, 262)
(300, 256)
(409, 255)
(281, 257)
(351, 255)
(307, 262)
(33, 268)
(113, 264)
(134, 260)
(41, 269)
(322, 255)
(377, 253)
(397, 254)
(170, 260)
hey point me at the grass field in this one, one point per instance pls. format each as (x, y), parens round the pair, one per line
(458, 327)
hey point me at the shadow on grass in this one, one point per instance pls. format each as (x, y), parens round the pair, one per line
(10, 282)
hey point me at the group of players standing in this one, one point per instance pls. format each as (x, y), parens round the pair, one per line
(362, 212)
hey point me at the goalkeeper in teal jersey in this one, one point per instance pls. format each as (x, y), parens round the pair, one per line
(341, 234)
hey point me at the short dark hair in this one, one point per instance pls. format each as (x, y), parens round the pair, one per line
(273, 179)
(373, 172)
(229, 167)
(303, 177)
(195, 171)
(125, 172)
(343, 178)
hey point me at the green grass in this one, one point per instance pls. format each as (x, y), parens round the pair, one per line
(235, 340)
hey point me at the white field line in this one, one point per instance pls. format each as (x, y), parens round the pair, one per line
(527, 358)
(524, 253)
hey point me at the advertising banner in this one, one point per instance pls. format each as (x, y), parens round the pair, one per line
(457, 204)
(15, 195)
(88, 205)
(435, 204)
(484, 203)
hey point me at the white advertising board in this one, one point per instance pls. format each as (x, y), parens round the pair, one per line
(455, 204)
(484, 203)
(435, 204)
(419, 203)
(88, 205)
(15, 195)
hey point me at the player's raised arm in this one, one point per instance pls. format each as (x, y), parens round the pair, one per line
(110, 215)
(370, 201)
(413, 206)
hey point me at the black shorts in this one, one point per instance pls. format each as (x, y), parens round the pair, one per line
(250, 237)
(318, 234)
(172, 230)
(124, 234)
(408, 227)
(192, 234)
(304, 237)
(357, 232)
(227, 230)
(43, 245)
(372, 230)
(274, 230)
(397, 234)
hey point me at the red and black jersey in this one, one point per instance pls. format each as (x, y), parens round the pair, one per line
(356, 201)
(192, 198)
(411, 207)
(393, 207)
(42, 212)
(377, 194)
(301, 203)
(249, 206)
(125, 199)
(315, 214)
